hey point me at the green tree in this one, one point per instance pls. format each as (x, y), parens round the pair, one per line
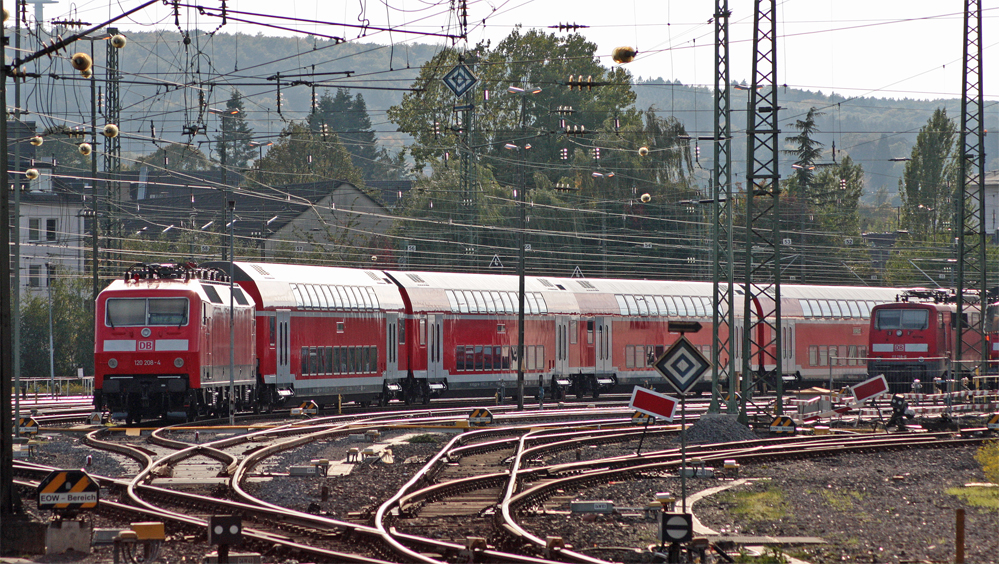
(348, 118)
(65, 150)
(72, 326)
(806, 151)
(233, 139)
(175, 156)
(302, 155)
(926, 185)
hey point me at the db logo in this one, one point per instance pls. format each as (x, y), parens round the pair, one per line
(900, 347)
(145, 345)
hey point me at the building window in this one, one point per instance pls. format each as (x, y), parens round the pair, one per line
(34, 229)
(35, 276)
(50, 229)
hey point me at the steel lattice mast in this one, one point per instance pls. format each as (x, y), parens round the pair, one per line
(112, 161)
(722, 360)
(971, 262)
(762, 321)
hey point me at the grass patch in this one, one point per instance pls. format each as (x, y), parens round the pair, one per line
(841, 500)
(768, 505)
(769, 556)
(981, 497)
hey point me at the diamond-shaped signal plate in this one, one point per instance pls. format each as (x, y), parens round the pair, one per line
(682, 364)
(460, 80)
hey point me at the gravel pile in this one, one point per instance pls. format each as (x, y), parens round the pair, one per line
(718, 428)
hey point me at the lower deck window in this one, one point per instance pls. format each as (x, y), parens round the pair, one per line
(317, 361)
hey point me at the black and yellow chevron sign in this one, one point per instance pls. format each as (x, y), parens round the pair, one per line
(640, 418)
(68, 490)
(783, 425)
(993, 422)
(480, 416)
(27, 425)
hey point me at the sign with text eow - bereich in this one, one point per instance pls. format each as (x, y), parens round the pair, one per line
(68, 490)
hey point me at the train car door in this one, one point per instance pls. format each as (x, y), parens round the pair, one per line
(604, 360)
(736, 344)
(283, 376)
(787, 345)
(561, 344)
(391, 344)
(435, 365)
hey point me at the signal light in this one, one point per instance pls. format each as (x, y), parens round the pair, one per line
(842, 184)
(596, 153)
(563, 154)
(437, 129)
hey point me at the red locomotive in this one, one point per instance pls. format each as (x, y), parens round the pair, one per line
(370, 336)
(915, 338)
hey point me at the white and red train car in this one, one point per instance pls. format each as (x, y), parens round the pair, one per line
(915, 337)
(338, 334)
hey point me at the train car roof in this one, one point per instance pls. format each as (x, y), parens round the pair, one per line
(195, 285)
(427, 290)
(273, 282)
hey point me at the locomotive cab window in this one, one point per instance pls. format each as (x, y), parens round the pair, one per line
(910, 319)
(134, 312)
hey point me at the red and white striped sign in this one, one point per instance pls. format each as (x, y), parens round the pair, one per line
(870, 388)
(654, 404)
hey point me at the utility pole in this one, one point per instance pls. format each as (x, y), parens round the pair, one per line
(112, 159)
(722, 274)
(971, 259)
(761, 307)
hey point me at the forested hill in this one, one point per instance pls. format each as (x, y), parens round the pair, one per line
(155, 66)
(871, 130)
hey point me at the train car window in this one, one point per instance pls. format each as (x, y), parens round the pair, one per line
(681, 306)
(622, 305)
(321, 360)
(660, 306)
(504, 299)
(542, 360)
(480, 302)
(506, 357)
(498, 361)
(650, 301)
(339, 298)
(671, 307)
(487, 358)
(212, 293)
(806, 310)
(629, 356)
(324, 291)
(660, 349)
(851, 353)
(589, 332)
(459, 298)
(690, 306)
(823, 355)
(310, 290)
(373, 358)
(313, 360)
(346, 297)
(825, 308)
(862, 352)
(360, 297)
(168, 311)
(330, 366)
(844, 309)
(324, 301)
(470, 300)
(305, 360)
(834, 308)
(573, 332)
(121, 312)
(497, 302)
(423, 332)
(373, 298)
(707, 306)
(855, 309)
(272, 329)
(459, 357)
(490, 304)
(643, 308)
(240, 298)
(532, 302)
(298, 296)
(843, 356)
(814, 306)
(813, 355)
(402, 332)
(542, 304)
(452, 301)
(631, 308)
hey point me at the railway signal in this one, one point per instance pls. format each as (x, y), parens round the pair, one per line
(682, 364)
(676, 527)
(27, 426)
(783, 425)
(480, 416)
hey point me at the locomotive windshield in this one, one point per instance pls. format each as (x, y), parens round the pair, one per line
(131, 312)
(913, 319)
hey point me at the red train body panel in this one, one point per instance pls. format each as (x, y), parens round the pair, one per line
(337, 334)
(915, 338)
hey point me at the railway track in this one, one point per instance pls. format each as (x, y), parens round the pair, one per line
(466, 501)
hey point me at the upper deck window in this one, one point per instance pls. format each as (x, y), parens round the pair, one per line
(913, 319)
(141, 312)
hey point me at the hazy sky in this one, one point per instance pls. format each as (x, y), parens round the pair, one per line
(899, 48)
